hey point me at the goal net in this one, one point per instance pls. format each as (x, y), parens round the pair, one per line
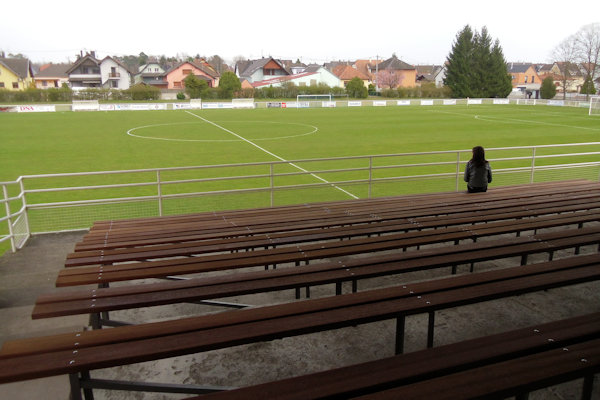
(242, 103)
(85, 105)
(313, 100)
(595, 105)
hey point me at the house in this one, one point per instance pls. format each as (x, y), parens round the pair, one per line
(393, 72)
(85, 72)
(427, 73)
(152, 74)
(297, 68)
(367, 67)
(176, 75)
(260, 70)
(16, 74)
(570, 75)
(52, 76)
(114, 74)
(440, 76)
(313, 75)
(525, 79)
(346, 73)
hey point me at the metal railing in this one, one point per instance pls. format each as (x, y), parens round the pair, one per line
(65, 202)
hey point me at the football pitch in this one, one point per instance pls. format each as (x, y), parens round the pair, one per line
(46, 143)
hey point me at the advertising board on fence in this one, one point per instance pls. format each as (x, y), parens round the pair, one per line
(355, 104)
(379, 103)
(474, 101)
(216, 105)
(182, 106)
(426, 102)
(403, 103)
(36, 108)
(329, 104)
(450, 102)
(501, 101)
(558, 103)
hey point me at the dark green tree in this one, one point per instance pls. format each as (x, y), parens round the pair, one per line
(548, 89)
(500, 82)
(194, 86)
(228, 85)
(475, 68)
(356, 88)
(588, 86)
(459, 70)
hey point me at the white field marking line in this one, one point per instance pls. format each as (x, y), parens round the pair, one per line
(130, 132)
(513, 120)
(271, 154)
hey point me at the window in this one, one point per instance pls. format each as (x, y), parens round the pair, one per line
(532, 79)
(177, 85)
(1, 84)
(55, 84)
(156, 69)
(187, 71)
(525, 78)
(15, 85)
(114, 84)
(44, 83)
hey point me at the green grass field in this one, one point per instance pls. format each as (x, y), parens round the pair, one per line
(66, 142)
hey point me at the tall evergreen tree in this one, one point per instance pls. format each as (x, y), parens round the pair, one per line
(501, 82)
(475, 68)
(459, 70)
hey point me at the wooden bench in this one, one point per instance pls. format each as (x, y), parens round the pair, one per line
(507, 363)
(197, 247)
(295, 254)
(80, 352)
(94, 301)
(194, 228)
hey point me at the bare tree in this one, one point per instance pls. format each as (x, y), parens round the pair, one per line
(388, 78)
(588, 50)
(566, 55)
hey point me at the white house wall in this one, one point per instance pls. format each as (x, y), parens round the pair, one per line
(122, 83)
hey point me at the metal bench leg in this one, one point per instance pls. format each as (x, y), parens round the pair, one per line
(588, 386)
(354, 286)
(75, 387)
(430, 326)
(400, 325)
(95, 321)
(338, 288)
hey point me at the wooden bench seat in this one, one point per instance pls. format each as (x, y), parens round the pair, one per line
(196, 289)
(190, 227)
(182, 266)
(84, 351)
(188, 248)
(397, 377)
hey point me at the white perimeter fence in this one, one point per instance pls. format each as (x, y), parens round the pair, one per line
(247, 103)
(65, 202)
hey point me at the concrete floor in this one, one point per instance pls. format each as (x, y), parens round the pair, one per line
(32, 271)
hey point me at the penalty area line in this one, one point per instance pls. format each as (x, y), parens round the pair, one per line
(271, 154)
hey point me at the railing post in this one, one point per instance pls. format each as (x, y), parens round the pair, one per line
(25, 213)
(272, 184)
(10, 229)
(159, 191)
(532, 165)
(457, 169)
(370, 175)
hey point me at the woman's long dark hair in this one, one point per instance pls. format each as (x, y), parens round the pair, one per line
(478, 156)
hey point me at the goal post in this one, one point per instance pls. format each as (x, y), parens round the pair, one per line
(304, 100)
(243, 103)
(85, 105)
(594, 105)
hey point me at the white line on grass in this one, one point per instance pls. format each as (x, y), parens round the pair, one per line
(271, 154)
(505, 120)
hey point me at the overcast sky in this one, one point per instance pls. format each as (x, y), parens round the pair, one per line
(418, 32)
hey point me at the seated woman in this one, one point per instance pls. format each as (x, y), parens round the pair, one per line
(478, 172)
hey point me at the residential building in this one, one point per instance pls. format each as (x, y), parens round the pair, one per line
(176, 75)
(393, 73)
(52, 76)
(260, 70)
(16, 74)
(427, 73)
(114, 74)
(346, 73)
(367, 67)
(152, 74)
(525, 79)
(85, 72)
(313, 75)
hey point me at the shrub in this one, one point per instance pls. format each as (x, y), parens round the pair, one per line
(180, 96)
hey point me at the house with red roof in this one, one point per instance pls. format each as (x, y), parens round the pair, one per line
(52, 76)
(175, 76)
(346, 73)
